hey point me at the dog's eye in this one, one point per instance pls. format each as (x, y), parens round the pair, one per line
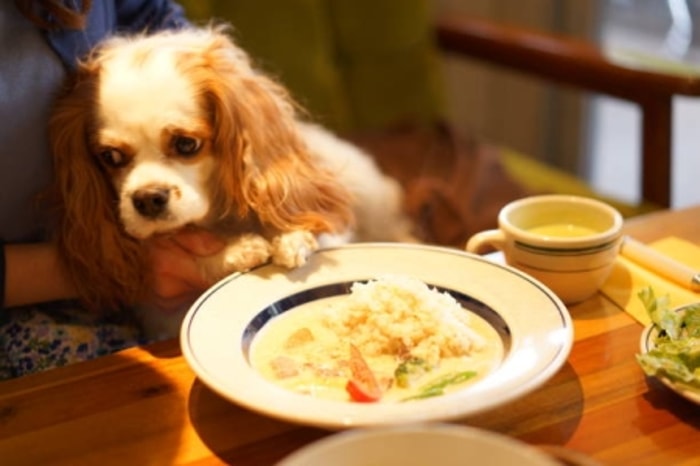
(185, 145)
(112, 157)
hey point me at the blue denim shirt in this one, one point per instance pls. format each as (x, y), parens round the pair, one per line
(109, 17)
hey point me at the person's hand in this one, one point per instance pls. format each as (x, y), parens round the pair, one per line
(177, 280)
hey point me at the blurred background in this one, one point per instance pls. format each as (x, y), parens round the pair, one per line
(594, 137)
(670, 31)
(361, 63)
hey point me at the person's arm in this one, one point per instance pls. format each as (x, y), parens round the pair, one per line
(33, 274)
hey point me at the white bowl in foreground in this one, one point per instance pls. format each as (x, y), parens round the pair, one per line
(418, 445)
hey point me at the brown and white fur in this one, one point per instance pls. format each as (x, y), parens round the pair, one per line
(174, 130)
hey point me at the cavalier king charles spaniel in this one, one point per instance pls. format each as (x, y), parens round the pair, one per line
(156, 133)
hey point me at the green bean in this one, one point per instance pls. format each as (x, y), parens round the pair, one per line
(437, 387)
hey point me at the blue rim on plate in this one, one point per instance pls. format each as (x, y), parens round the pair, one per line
(534, 325)
(289, 303)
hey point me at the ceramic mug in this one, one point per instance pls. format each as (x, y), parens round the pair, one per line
(569, 243)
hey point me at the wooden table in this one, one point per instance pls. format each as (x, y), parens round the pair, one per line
(145, 406)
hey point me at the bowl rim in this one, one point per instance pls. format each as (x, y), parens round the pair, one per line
(353, 438)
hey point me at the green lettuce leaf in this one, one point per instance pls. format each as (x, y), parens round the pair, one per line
(676, 354)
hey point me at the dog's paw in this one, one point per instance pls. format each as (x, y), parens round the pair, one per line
(293, 248)
(246, 252)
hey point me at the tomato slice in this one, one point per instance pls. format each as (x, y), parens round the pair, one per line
(363, 386)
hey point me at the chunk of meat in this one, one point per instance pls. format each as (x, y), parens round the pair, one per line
(284, 367)
(298, 338)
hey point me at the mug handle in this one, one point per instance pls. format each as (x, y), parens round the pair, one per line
(494, 238)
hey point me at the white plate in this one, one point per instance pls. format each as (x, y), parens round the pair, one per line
(534, 324)
(646, 343)
(418, 445)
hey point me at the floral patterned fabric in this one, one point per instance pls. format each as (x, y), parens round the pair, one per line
(37, 338)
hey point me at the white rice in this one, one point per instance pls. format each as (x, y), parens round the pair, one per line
(396, 315)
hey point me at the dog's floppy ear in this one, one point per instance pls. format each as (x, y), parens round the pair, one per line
(266, 165)
(105, 264)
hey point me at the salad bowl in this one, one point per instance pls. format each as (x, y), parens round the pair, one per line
(670, 345)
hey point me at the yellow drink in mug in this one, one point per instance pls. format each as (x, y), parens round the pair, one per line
(562, 230)
(569, 243)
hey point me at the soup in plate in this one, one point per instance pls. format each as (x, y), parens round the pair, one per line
(392, 339)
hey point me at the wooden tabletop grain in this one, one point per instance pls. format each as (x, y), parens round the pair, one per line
(145, 405)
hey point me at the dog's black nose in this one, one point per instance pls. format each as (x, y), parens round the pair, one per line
(150, 202)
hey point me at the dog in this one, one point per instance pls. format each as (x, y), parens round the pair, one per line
(178, 129)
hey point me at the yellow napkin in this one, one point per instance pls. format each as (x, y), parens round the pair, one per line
(627, 278)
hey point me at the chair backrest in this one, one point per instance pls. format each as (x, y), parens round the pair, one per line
(563, 60)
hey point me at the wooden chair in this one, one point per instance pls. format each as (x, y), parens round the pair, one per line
(578, 63)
